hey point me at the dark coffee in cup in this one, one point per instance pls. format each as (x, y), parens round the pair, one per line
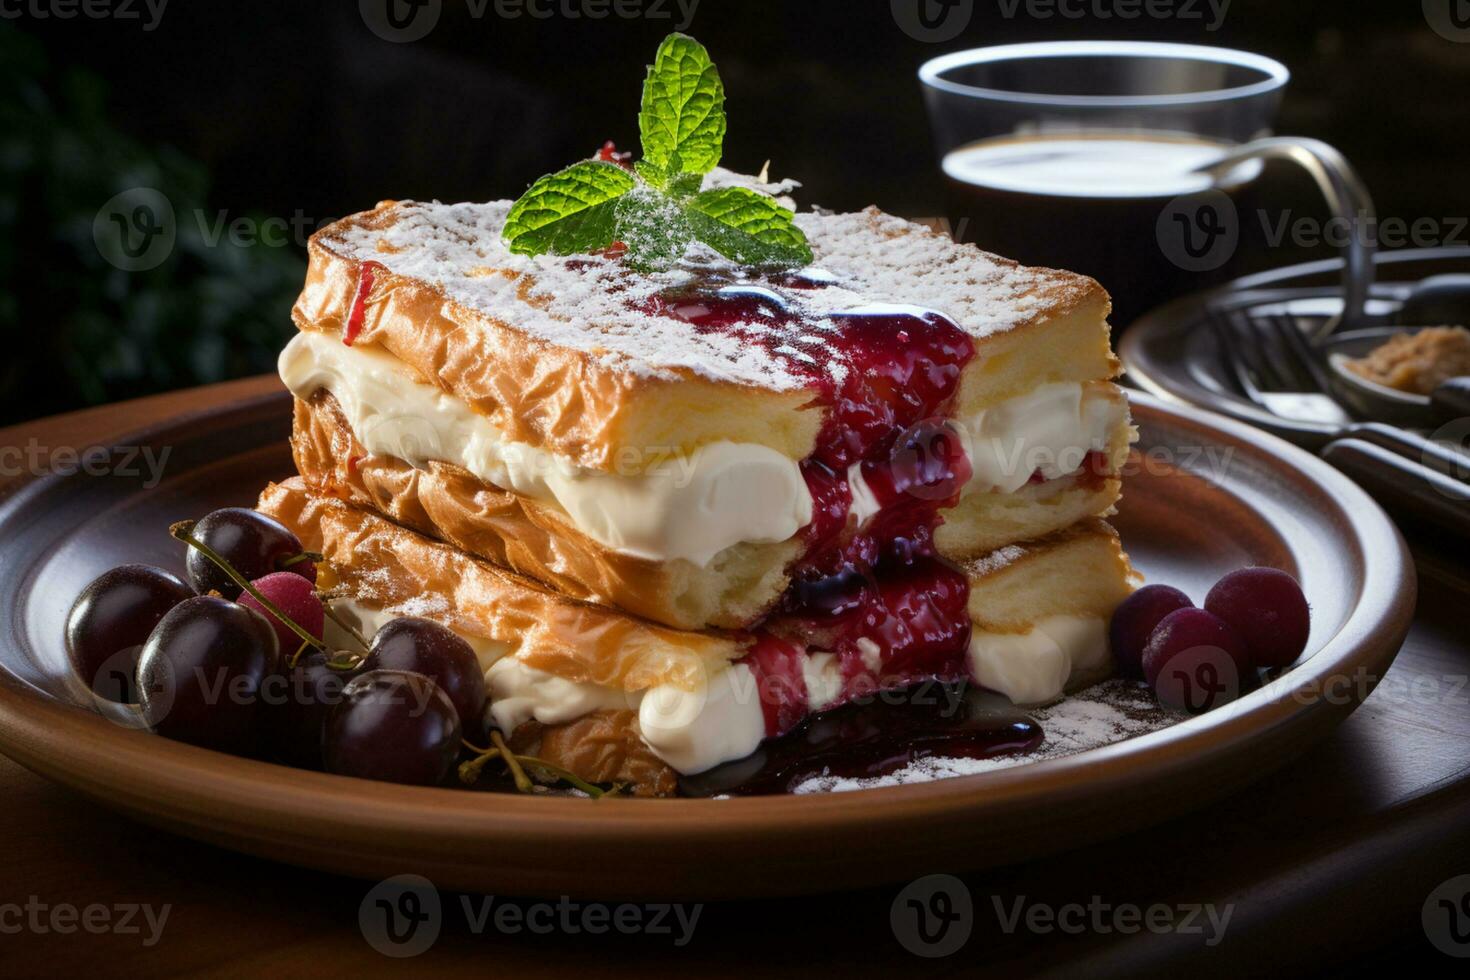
(1082, 155)
(1096, 203)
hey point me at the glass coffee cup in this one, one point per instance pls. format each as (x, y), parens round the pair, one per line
(1128, 161)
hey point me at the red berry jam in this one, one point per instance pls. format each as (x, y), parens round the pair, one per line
(874, 737)
(608, 153)
(887, 377)
(780, 683)
(877, 595)
(366, 275)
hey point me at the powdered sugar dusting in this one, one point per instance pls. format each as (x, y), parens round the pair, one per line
(996, 560)
(581, 302)
(592, 304)
(1101, 715)
(779, 189)
(891, 260)
(428, 606)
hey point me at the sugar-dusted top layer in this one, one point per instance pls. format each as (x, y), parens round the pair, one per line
(599, 306)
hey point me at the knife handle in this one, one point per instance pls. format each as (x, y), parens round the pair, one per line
(1451, 400)
(1402, 485)
(1436, 456)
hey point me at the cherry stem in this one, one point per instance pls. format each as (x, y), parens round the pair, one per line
(310, 556)
(469, 771)
(347, 627)
(523, 782)
(181, 531)
(596, 792)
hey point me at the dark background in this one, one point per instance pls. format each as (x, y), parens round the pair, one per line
(298, 110)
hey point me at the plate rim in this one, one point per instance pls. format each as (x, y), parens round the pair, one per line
(65, 741)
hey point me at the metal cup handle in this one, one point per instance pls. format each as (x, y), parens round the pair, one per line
(1346, 195)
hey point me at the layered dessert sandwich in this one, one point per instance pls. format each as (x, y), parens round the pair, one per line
(688, 467)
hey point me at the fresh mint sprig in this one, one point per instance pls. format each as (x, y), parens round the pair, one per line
(681, 120)
(658, 209)
(573, 210)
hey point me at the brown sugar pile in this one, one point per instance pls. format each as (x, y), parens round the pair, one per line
(1417, 362)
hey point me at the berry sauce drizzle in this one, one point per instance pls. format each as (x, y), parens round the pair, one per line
(872, 737)
(875, 595)
(366, 275)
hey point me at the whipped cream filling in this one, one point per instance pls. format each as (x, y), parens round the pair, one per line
(691, 730)
(367, 620)
(674, 505)
(667, 506)
(722, 720)
(695, 730)
(519, 693)
(1048, 430)
(1034, 667)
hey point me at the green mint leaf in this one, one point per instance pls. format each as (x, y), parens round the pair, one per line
(685, 185)
(682, 117)
(654, 228)
(652, 173)
(570, 211)
(748, 227)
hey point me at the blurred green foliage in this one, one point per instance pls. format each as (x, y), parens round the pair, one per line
(76, 330)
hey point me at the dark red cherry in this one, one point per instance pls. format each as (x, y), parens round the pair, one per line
(1267, 610)
(111, 620)
(1134, 621)
(1194, 661)
(201, 671)
(312, 687)
(256, 545)
(392, 725)
(425, 647)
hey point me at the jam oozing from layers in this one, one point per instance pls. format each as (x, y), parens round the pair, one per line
(366, 275)
(877, 595)
(875, 737)
(886, 376)
(779, 681)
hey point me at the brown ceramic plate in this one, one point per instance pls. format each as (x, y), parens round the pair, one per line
(1227, 496)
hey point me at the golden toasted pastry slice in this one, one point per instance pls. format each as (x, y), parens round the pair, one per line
(735, 589)
(584, 359)
(388, 566)
(683, 445)
(614, 698)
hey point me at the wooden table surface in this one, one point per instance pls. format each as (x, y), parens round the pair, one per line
(1322, 866)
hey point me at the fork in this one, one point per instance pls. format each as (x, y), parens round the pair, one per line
(1277, 368)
